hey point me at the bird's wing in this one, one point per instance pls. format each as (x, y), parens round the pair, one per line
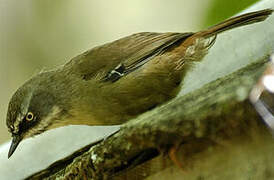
(123, 56)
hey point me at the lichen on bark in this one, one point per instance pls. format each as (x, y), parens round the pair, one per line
(218, 132)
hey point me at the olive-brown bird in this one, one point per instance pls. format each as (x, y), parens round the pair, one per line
(112, 83)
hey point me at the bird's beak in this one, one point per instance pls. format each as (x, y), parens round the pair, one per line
(15, 141)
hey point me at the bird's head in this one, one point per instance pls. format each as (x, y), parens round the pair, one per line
(31, 111)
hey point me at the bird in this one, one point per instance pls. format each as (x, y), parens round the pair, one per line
(113, 83)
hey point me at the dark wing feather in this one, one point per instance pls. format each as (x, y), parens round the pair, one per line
(122, 56)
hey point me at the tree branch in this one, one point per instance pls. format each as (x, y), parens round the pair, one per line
(215, 114)
(218, 133)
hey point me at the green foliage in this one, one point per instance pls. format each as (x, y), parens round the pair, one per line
(222, 9)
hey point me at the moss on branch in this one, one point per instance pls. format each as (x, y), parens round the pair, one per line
(215, 129)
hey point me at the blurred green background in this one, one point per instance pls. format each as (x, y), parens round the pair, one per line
(42, 34)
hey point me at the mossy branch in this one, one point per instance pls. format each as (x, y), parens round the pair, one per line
(213, 115)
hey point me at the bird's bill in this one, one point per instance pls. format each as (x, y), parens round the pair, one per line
(15, 141)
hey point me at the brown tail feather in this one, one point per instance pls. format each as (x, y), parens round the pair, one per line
(238, 21)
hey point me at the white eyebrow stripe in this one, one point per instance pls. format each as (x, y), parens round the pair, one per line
(11, 127)
(17, 122)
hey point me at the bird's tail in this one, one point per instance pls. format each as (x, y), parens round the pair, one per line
(237, 21)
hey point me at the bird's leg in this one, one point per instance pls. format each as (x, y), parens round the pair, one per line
(172, 153)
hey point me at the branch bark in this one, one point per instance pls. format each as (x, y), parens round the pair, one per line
(218, 133)
(216, 116)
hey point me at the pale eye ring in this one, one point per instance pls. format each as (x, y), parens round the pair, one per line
(29, 116)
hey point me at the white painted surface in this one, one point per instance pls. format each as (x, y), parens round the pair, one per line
(39, 152)
(233, 50)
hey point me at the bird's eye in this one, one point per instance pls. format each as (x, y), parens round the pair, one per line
(29, 116)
